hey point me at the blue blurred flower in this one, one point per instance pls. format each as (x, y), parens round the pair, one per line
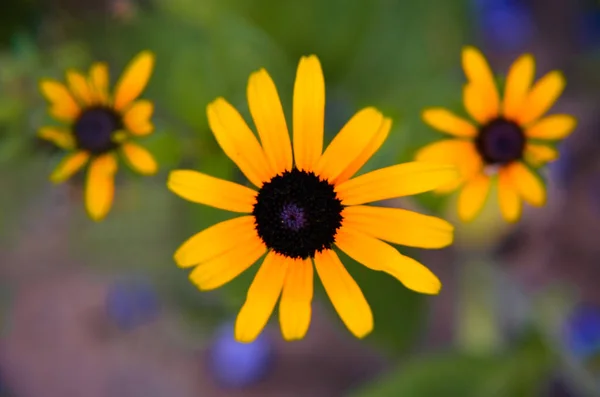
(562, 168)
(505, 24)
(130, 303)
(582, 331)
(589, 26)
(236, 364)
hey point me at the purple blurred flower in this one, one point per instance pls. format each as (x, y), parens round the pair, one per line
(236, 364)
(561, 170)
(589, 26)
(582, 331)
(505, 24)
(130, 303)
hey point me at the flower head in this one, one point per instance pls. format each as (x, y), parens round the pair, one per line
(508, 139)
(236, 364)
(99, 125)
(305, 202)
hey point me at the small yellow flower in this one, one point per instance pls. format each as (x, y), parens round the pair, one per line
(100, 125)
(305, 202)
(509, 137)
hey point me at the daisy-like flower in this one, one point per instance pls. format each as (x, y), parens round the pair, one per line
(100, 125)
(305, 202)
(508, 139)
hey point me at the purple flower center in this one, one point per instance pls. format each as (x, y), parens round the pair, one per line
(500, 142)
(292, 217)
(94, 130)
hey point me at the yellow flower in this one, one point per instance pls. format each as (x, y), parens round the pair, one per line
(305, 202)
(100, 125)
(508, 139)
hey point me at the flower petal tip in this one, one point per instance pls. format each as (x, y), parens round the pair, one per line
(466, 49)
(56, 179)
(179, 259)
(361, 334)
(433, 288)
(45, 82)
(450, 175)
(96, 217)
(292, 337)
(310, 59)
(146, 56)
(466, 218)
(241, 336)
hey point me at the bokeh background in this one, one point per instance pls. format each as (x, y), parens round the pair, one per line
(100, 309)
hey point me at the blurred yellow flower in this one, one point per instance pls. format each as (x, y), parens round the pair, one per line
(508, 139)
(305, 202)
(99, 125)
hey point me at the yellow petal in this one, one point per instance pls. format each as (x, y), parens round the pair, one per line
(59, 136)
(309, 113)
(508, 198)
(473, 196)
(450, 187)
(69, 166)
(463, 154)
(238, 142)
(368, 151)
(269, 119)
(399, 226)
(538, 155)
(79, 86)
(134, 79)
(518, 82)
(349, 143)
(557, 126)
(446, 121)
(137, 118)
(216, 240)
(99, 82)
(100, 187)
(380, 256)
(475, 106)
(529, 185)
(204, 189)
(296, 298)
(224, 268)
(481, 78)
(63, 106)
(345, 295)
(261, 299)
(541, 97)
(139, 159)
(395, 181)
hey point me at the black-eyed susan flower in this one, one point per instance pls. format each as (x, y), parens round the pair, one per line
(509, 139)
(99, 126)
(305, 202)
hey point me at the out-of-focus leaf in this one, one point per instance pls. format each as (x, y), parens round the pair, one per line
(442, 375)
(517, 373)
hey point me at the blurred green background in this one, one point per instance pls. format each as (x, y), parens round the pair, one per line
(494, 331)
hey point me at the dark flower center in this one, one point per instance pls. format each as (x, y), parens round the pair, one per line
(94, 130)
(500, 141)
(297, 214)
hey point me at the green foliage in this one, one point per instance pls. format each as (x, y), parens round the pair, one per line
(515, 373)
